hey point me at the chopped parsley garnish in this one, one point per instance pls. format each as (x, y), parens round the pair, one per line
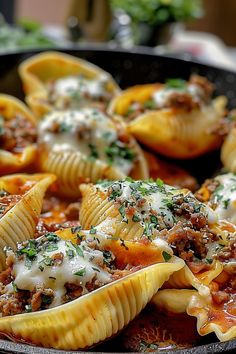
(92, 230)
(93, 151)
(52, 237)
(14, 286)
(46, 299)
(107, 255)
(209, 260)
(73, 248)
(159, 182)
(153, 219)
(30, 250)
(3, 193)
(51, 248)
(28, 308)
(117, 149)
(122, 211)
(70, 253)
(74, 94)
(168, 202)
(148, 228)
(64, 128)
(150, 104)
(96, 269)
(166, 256)
(175, 83)
(130, 110)
(136, 218)
(48, 261)
(218, 189)
(76, 229)
(218, 197)
(79, 251)
(226, 203)
(81, 272)
(129, 179)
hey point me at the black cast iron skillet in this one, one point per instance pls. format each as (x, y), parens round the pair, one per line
(138, 66)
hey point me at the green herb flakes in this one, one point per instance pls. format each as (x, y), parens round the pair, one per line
(81, 272)
(92, 230)
(166, 256)
(176, 83)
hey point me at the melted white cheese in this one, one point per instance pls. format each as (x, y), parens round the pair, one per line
(156, 202)
(162, 96)
(80, 131)
(69, 86)
(225, 197)
(56, 276)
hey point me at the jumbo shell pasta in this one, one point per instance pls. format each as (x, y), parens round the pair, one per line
(37, 72)
(84, 322)
(115, 206)
(86, 146)
(95, 316)
(174, 121)
(17, 135)
(19, 221)
(143, 210)
(220, 194)
(212, 318)
(75, 271)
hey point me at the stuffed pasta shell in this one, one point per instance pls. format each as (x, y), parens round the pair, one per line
(145, 210)
(54, 80)
(88, 291)
(178, 119)
(85, 146)
(217, 312)
(220, 194)
(18, 135)
(214, 313)
(21, 199)
(137, 209)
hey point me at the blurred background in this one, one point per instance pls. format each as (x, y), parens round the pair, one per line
(199, 29)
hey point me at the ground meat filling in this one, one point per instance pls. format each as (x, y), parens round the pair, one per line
(7, 202)
(62, 272)
(207, 189)
(79, 93)
(189, 243)
(176, 94)
(16, 134)
(227, 253)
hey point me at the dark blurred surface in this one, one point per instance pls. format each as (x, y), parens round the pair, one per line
(7, 10)
(219, 19)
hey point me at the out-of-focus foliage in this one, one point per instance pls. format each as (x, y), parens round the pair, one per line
(157, 12)
(28, 34)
